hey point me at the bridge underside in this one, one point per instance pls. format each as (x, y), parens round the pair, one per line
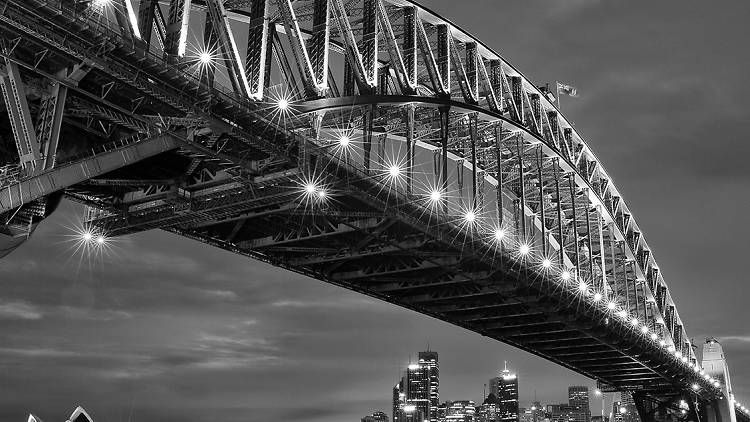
(383, 244)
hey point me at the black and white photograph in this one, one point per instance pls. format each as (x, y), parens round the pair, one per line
(374, 211)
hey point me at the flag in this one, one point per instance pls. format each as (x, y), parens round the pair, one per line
(567, 90)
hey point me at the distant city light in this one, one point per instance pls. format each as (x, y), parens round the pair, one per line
(322, 194)
(87, 236)
(310, 188)
(644, 329)
(634, 322)
(654, 336)
(100, 240)
(611, 306)
(623, 410)
(696, 387)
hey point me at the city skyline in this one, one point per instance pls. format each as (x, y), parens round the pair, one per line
(166, 329)
(416, 385)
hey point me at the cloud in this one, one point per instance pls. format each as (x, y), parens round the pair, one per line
(19, 310)
(38, 352)
(741, 339)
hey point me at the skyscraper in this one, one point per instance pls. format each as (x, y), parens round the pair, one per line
(419, 388)
(627, 403)
(489, 410)
(578, 398)
(399, 401)
(429, 362)
(505, 388)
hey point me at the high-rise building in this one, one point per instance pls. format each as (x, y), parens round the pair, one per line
(376, 416)
(537, 412)
(459, 411)
(505, 388)
(563, 412)
(418, 388)
(429, 362)
(399, 401)
(489, 410)
(618, 411)
(410, 413)
(578, 398)
(627, 403)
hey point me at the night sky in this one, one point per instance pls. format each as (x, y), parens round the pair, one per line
(167, 329)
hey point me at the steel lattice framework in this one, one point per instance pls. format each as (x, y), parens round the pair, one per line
(371, 144)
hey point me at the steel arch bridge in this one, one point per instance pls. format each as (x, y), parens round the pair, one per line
(371, 144)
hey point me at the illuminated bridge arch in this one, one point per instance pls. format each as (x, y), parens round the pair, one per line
(371, 144)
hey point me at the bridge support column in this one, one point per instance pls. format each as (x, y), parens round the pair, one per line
(720, 410)
(444, 123)
(409, 117)
(367, 136)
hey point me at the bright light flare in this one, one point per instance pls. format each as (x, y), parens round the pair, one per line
(611, 306)
(282, 104)
(499, 235)
(312, 191)
(583, 287)
(436, 196)
(394, 171)
(597, 297)
(546, 263)
(565, 275)
(344, 141)
(470, 216)
(206, 58)
(88, 240)
(654, 336)
(524, 249)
